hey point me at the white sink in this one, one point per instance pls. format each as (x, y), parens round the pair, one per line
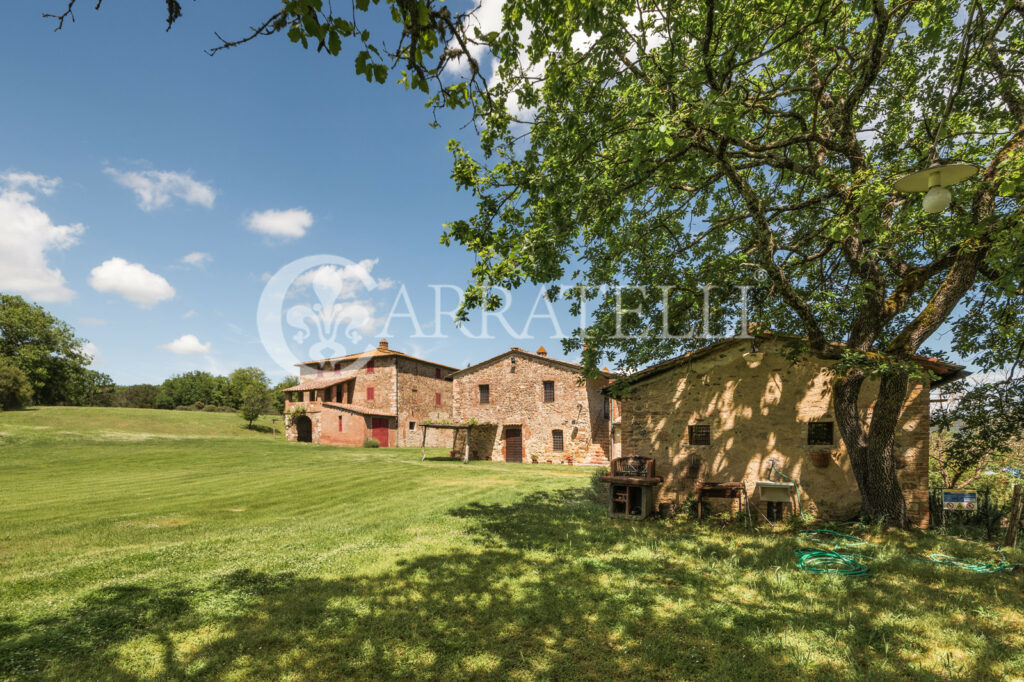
(775, 491)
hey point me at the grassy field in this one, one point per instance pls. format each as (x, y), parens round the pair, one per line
(138, 544)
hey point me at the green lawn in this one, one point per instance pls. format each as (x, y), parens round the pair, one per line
(141, 544)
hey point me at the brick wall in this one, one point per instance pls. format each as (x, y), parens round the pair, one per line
(759, 408)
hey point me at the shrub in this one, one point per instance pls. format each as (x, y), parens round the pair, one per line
(15, 388)
(371, 443)
(211, 408)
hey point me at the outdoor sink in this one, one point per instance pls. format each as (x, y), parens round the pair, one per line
(775, 491)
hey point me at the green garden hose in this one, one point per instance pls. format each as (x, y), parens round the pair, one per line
(818, 560)
(947, 560)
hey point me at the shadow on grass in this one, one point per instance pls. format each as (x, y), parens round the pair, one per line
(546, 587)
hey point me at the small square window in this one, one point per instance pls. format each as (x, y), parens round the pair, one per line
(820, 433)
(700, 434)
(549, 391)
(485, 394)
(557, 441)
(412, 426)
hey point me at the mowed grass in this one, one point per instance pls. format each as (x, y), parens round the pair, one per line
(138, 544)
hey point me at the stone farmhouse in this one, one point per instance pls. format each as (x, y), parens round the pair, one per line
(728, 412)
(381, 393)
(530, 407)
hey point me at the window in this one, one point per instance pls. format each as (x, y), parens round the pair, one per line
(820, 433)
(437, 400)
(369, 366)
(605, 408)
(557, 443)
(341, 423)
(549, 391)
(485, 394)
(437, 372)
(369, 393)
(412, 426)
(328, 394)
(700, 434)
(337, 367)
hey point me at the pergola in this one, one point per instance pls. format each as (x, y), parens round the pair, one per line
(468, 427)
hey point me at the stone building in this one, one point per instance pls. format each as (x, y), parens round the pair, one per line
(726, 413)
(531, 407)
(381, 393)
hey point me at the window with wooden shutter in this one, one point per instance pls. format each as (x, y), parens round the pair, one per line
(437, 400)
(606, 408)
(437, 372)
(700, 434)
(369, 393)
(341, 424)
(820, 433)
(549, 391)
(557, 441)
(485, 394)
(369, 366)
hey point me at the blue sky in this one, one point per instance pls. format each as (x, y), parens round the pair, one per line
(186, 181)
(114, 102)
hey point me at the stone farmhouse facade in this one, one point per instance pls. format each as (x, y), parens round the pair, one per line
(530, 407)
(727, 412)
(381, 393)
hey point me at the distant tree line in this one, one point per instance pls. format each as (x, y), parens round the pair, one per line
(43, 362)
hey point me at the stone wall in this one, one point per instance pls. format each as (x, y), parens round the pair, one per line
(418, 385)
(758, 408)
(517, 400)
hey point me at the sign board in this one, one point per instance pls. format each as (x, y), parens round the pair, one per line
(960, 499)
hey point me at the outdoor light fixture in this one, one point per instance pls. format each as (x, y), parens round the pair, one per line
(934, 182)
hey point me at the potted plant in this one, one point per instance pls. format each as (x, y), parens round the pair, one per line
(568, 460)
(534, 458)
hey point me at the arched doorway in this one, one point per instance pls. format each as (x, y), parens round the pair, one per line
(304, 429)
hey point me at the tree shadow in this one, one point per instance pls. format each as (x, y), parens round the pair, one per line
(545, 587)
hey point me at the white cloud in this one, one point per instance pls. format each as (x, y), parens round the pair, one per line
(289, 224)
(26, 234)
(189, 314)
(331, 282)
(197, 259)
(131, 281)
(90, 350)
(189, 344)
(155, 189)
(32, 181)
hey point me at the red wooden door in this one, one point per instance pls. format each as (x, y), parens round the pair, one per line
(379, 430)
(513, 445)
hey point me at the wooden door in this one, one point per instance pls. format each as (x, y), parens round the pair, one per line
(379, 430)
(513, 445)
(304, 429)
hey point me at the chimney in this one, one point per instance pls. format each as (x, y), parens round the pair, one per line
(383, 345)
(542, 352)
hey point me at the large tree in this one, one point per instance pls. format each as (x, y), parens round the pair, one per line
(47, 350)
(756, 143)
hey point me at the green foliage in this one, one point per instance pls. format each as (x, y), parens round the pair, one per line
(241, 380)
(981, 429)
(48, 352)
(194, 387)
(278, 396)
(371, 443)
(255, 400)
(598, 488)
(15, 388)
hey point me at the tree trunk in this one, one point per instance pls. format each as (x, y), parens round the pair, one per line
(871, 446)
